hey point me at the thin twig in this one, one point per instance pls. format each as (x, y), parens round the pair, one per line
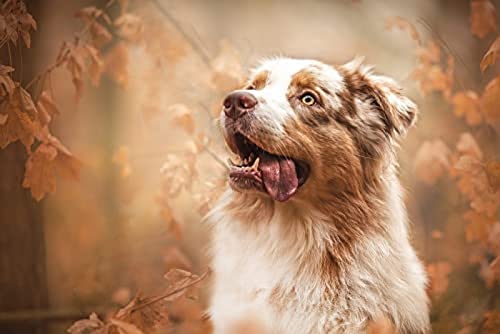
(171, 293)
(196, 47)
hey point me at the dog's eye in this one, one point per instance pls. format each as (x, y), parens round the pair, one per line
(308, 99)
(250, 87)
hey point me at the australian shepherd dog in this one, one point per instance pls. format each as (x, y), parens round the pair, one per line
(311, 235)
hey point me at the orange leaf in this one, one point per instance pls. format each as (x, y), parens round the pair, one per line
(493, 174)
(466, 104)
(490, 101)
(431, 161)
(403, 24)
(478, 228)
(183, 117)
(438, 275)
(116, 64)
(491, 55)
(468, 145)
(482, 17)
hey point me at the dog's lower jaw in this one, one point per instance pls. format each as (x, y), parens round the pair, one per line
(289, 275)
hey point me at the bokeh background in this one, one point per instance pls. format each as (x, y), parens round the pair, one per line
(151, 161)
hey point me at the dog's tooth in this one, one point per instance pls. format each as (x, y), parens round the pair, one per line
(256, 164)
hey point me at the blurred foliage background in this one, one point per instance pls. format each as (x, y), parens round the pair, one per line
(133, 96)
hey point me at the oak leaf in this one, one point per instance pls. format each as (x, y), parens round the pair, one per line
(482, 17)
(467, 105)
(491, 56)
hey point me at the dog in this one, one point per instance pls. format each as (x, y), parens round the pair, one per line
(311, 235)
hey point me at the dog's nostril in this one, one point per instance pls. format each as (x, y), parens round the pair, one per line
(238, 103)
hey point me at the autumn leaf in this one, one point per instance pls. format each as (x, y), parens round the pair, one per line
(91, 13)
(49, 158)
(430, 53)
(16, 21)
(490, 101)
(129, 27)
(92, 325)
(178, 279)
(431, 161)
(6, 82)
(100, 35)
(438, 274)
(491, 55)
(467, 104)
(493, 174)
(468, 145)
(403, 24)
(177, 173)
(182, 116)
(46, 108)
(19, 118)
(482, 17)
(478, 227)
(145, 315)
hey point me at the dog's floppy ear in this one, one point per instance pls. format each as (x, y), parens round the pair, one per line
(397, 112)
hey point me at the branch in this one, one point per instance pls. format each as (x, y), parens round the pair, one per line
(196, 47)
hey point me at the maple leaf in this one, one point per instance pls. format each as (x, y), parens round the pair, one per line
(403, 24)
(49, 158)
(490, 101)
(438, 274)
(19, 118)
(92, 325)
(482, 17)
(466, 104)
(491, 56)
(431, 161)
(183, 117)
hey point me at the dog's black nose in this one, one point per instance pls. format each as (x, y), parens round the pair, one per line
(238, 103)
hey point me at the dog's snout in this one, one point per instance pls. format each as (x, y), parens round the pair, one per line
(237, 104)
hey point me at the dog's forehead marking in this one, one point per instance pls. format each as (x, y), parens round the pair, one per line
(281, 71)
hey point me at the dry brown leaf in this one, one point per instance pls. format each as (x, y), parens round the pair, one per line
(438, 275)
(49, 158)
(491, 56)
(46, 108)
(431, 161)
(177, 173)
(177, 279)
(92, 325)
(490, 101)
(144, 314)
(482, 17)
(100, 34)
(6, 82)
(20, 119)
(430, 53)
(16, 21)
(467, 105)
(403, 24)
(183, 117)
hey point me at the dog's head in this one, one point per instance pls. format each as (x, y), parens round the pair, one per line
(303, 129)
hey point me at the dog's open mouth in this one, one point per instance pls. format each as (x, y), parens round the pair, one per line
(277, 175)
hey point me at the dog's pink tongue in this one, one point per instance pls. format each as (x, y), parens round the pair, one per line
(279, 176)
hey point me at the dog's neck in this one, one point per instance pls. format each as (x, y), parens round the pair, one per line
(331, 227)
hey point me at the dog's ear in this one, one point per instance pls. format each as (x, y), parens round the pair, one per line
(396, 111)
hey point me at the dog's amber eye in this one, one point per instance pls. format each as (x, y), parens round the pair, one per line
(250, 87)
(308, 99)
